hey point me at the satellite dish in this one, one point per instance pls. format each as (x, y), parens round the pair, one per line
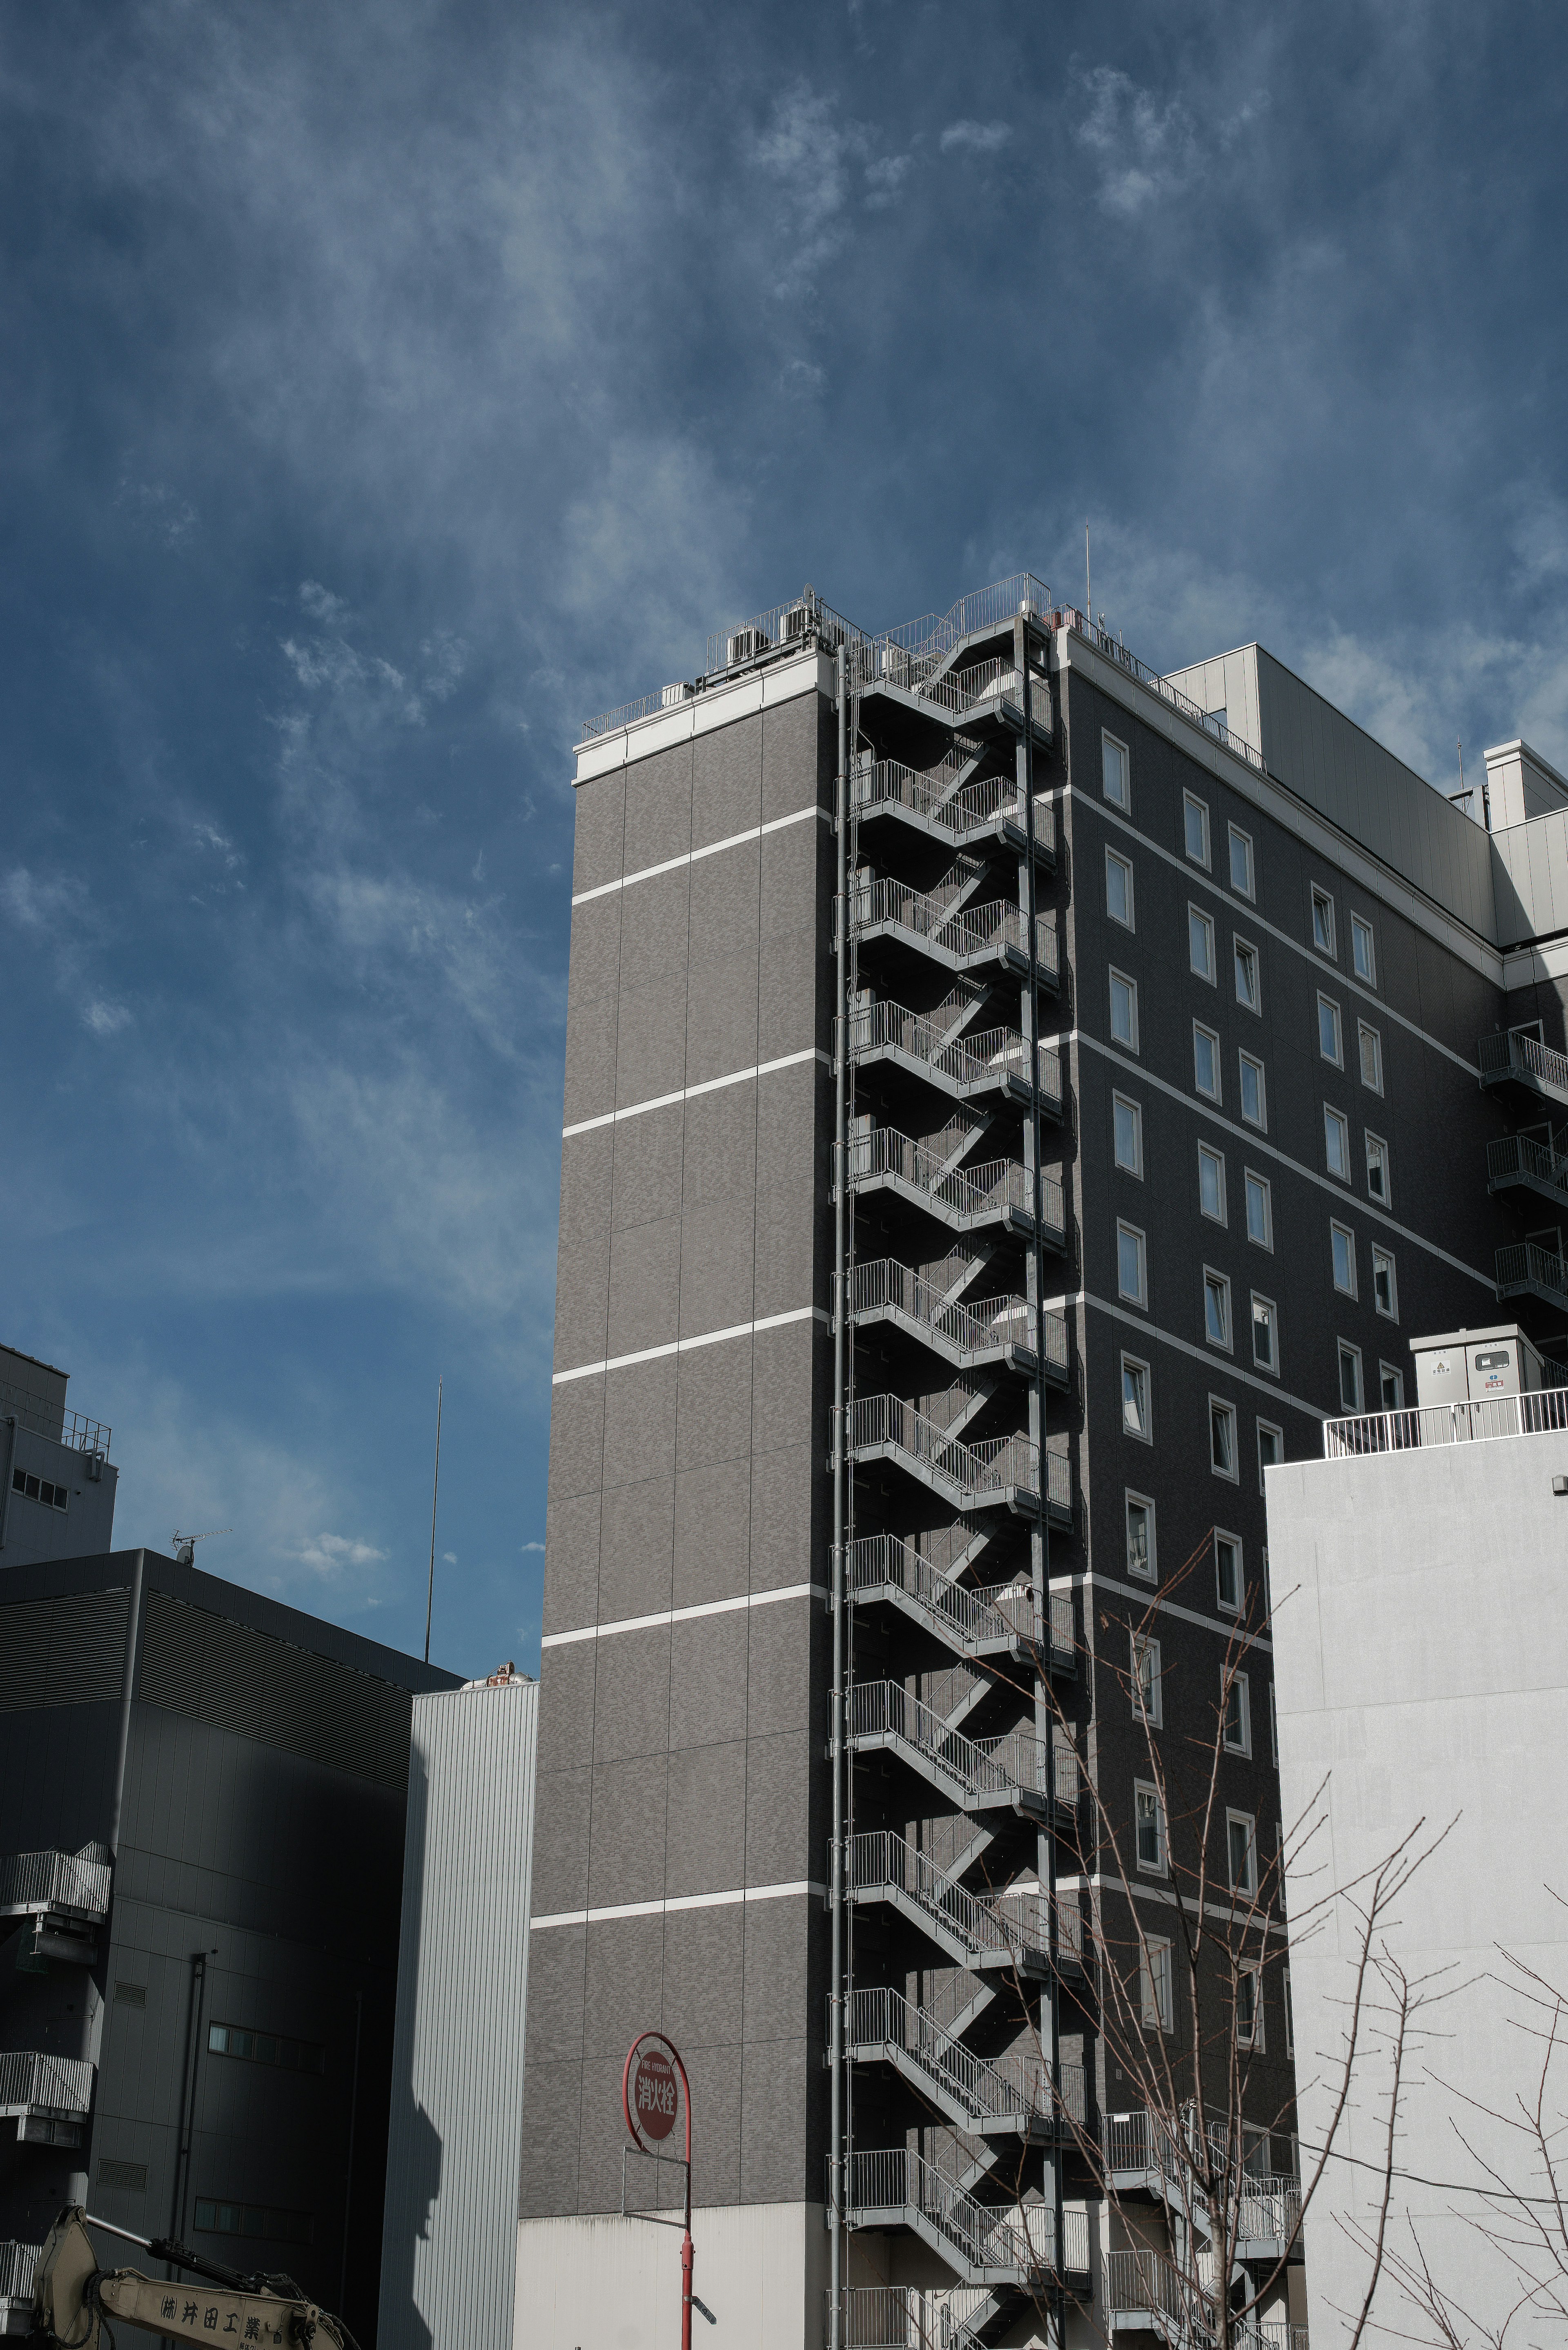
(185, 1545)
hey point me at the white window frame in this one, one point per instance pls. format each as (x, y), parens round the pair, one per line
(1257, 1363)
(1240, 947)
(1326, 1004)
(1144, 1435)
(1382, 1256)
(1131, 1501)
(1139, 1296)
(1364, 1031)
(1160, 1866)
(1250, 1061)
(1268, 1427)
(1250, 1175)
(1230, 1606)
(1141, 1646)
(1130, 984)
(1190, 803)
(1158, 1983)
(1351, 1355)
(1128, 1102)
(1360, 927)
(1345, 1232)
(1122, 799)
(1338, 1119)
(1372, 1143)
(1202, 924)
(1322, 897)
(1249, 1886)
(1222, 1404)
(1250, 1971)
(1390, 1371)
(1241, 1690)
(1248, 890)
(1218, 1284)
(1206, 1150)
(1218, 1094)
(1127, 921)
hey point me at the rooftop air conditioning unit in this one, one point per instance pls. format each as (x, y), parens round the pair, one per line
(797, 623)
(746, 643)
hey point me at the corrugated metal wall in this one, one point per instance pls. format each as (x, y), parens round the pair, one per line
(450, 2247)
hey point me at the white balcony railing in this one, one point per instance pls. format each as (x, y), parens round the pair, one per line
(1510, 1055)
(1543, 1413)
(54, 1881)
(910, 2316)
(32, 2082)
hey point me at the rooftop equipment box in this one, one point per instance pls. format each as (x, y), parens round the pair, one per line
(1468, 1365)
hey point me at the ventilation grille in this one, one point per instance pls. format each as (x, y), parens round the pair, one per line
(66, 1651)
(132, 2175)
(130, 1994)
(195, 1663)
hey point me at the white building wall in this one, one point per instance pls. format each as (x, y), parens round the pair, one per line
(1421, 1670)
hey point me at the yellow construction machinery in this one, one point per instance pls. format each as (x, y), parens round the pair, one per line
(76, 2304)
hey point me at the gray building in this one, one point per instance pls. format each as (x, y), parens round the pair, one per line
(1420, 1637)
(57, 1500)
(203, 1797)
(1100, 1087)
(449, 2260)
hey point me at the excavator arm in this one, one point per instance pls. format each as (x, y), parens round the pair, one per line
(74, 2299)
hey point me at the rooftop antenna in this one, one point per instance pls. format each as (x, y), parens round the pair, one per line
(185, 1545)
(1088, 591)
(435, 1490)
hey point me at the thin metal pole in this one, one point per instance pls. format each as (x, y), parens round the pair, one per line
(435, 1491)
(128, 1678)
(1088, 591)
(348, 2181)
(840, 1443)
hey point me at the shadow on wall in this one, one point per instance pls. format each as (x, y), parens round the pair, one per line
(413, 2174)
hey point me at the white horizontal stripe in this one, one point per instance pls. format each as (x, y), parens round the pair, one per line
(707, 1086)
(1098, 1881)
(685, 1615)
(684, 1345)
(681, 1901)
(692, 855)
(1148, 1595)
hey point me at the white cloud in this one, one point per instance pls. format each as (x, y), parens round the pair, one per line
(975, 138)
(448, 1558)
(884, 179)
(1146, 150)
(321, 604)
(331, 1553)
(528, 1547)
(104, 1019)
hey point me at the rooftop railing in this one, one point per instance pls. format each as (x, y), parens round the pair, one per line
(971, 931)
(884, 1286)
(983, 1190)
(968, 1618)
(1507, 1053)
(968, 1061)
(1067, 616)
(1543, 1413)
(45, 1418)
(32, 2082)
(54, 1880)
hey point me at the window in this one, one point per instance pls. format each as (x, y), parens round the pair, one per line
(1362, 951)
(1238, 1721)
(1390, 1387)
(1271, 1450)
(1336, 1143)
(1135, 1399)
(1385, 1287)
(1254, 1099)
(1265, 1334)
(1240, 863)
(1323, 921)
(1330, 1043)
(1221, 1438)
(1145, 1681)
(1343, 1242)
(1371, 1056)
(1200, 943)
(260, 2219)
(1378, 1183)
(265, 2048)
(1195, 828)
(1250, 2033)
(1118, 888)
(1114, 772)
(1259, 1211)
(40, 1489)
(1349, 1375)
(1158, 1990)
(1290, 2019)
(1241, 1850)
(1142, 1560)
(1126, 1123)
(1248, 986)
(1124, 1010)
(1132, 1267)
(1216, 1309)
(1228, 1580)
(1206, 1061)
(1150, 1824)
(1211, 1182)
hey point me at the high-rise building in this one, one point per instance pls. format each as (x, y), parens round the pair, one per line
(57, 1496)
(1002, 1089)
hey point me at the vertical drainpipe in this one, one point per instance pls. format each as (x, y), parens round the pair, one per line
(116, 1818)
(836, 2182)
(1045, 1865)
(10, 1471)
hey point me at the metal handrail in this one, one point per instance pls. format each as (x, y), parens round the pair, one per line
(934, 795)
(968, 1191)
(996, 1465)
(54, 1880)
(1523, 1262)
(1542, 1412)
(1508, 1054)
(1016, 1763)
(894, 2178)
(882, 1285)
(967, 1059)
(1143, 2279)
(43, 1418)
(1010, 1925)
(970, 930)
(1067, 616)
(1004, 2088)
(33, 2082)
(1516, 1154)
(910, 2316)
(983, 607)
(999, 1611)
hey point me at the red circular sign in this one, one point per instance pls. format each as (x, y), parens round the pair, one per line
(650, 2092)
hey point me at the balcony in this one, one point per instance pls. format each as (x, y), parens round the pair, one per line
(944, 804)
(1514, 1159)
(917, 2318)
(1000, 1619)
(1143, 2152)
(999, 1471)
(1525, 1063)
(49, 2097)
(1018, 1772)
(984, 2244)
(1544, 1413)
(966, 1068)
(67, 1897)
(990, 1330)
(965, 939)
(965, 1198)
(17, 2263)
(1527, 1271)
(1004, 1933)
(1007, 2096)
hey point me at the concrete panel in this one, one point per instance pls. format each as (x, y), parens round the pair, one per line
(781, 1384)
(561, 1842)
(571, 1562)
(778, 1798)
(715, 2076)
(789, 757)
(644, 1287)
(704, 1965)
(556, 1960)
(582, 1297)
(719, 1158)
(714, 1409)
(707, 1680)
(625, 1855)
(779, 1667)
(552, 2126)
(595, 966)
(631, 1695)
(650, 1042)
(600, 811)
(716, 1266)
(587, 1162)
(707, 1820)
(624, 1967)
(777, 1967)
(781, 1516)
(711, 1511)
(774, 2118)
(724, 903)
(785, 1247)
(793, 999)
(648, 1154)
(576, 1437)
(727, 783)
(617, 2282)
(790, 862)
(722, 1017)
(566, 1703)
(654, 941)
(636, 1550)
(591, 1033)
(658, 808)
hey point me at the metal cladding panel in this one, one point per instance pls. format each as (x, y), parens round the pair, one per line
(69, 1650)
(450, 2244)
(1531, 863)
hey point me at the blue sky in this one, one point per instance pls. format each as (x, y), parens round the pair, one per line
(387, 386)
